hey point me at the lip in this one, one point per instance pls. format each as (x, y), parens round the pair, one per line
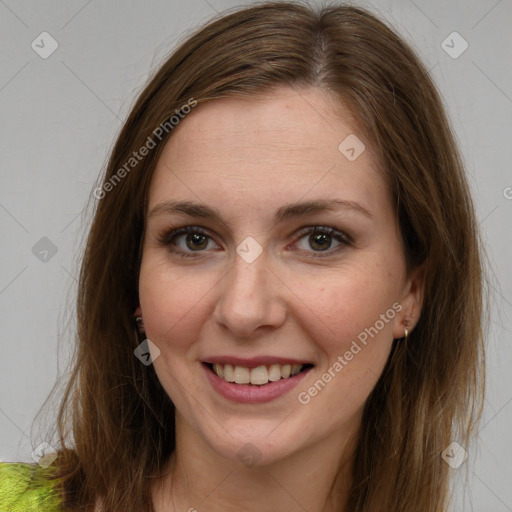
(250, 393)
(253, 362)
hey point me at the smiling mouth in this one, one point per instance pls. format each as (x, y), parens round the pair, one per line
(258, 376)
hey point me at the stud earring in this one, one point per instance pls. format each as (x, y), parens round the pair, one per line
(407, 323)
(140, 323)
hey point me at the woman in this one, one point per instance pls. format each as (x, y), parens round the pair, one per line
(285, 224)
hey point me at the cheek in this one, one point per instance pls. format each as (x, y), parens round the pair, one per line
(345, 303)
(174, 303)
(350, 319)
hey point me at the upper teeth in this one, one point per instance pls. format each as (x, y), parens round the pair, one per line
(258, 376)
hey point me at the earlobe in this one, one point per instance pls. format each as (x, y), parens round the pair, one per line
(137, 315)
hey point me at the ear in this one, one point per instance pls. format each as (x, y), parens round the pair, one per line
(411, 302)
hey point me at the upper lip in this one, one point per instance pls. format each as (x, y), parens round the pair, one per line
(253, 362)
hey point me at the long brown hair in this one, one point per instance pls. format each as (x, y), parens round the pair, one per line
(114, 421)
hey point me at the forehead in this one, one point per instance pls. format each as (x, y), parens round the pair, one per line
(283, 143)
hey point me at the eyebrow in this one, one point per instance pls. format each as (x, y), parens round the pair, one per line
(283, 213)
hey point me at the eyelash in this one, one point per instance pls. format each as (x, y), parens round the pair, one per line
(167, 238)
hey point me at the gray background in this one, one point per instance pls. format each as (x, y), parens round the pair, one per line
(60, 116)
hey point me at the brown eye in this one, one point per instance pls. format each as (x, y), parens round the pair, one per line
(187, 240)
(196, 241)
(320, 239)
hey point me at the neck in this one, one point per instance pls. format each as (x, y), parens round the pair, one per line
(316, 479)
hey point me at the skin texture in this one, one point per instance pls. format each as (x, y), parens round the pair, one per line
(247, 158)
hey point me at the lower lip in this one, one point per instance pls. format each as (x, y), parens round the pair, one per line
(249, 393)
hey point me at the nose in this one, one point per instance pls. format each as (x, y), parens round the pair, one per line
(251, 300)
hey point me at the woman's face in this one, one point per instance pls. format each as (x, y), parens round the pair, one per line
(296, 265)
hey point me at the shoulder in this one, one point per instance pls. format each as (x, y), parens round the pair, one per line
(27, 488)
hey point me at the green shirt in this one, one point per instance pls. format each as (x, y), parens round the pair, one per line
(24, 488)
